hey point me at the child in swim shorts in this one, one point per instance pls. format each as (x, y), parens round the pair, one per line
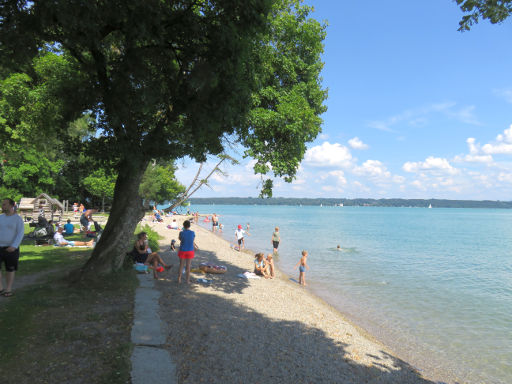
(302, 264)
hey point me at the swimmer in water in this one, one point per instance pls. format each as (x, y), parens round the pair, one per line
(338, 248)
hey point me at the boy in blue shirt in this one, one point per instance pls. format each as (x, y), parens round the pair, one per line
(69, 228)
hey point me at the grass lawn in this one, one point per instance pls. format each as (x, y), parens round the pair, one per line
(57, 332)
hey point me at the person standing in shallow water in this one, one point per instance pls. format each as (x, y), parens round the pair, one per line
(186, 252)
(302, 264)
(276, 239)
(215, 222)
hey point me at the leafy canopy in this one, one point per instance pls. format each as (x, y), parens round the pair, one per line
(496, 11)
(159, 184)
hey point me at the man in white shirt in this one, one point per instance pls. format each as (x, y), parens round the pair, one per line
(11, 234)
(60, 241)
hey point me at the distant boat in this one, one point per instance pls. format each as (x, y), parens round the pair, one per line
(321, 205)
(430, 205)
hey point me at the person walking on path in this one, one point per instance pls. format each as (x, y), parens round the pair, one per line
(276, 239)
(302, 268)
(11, 234)
(186, 252)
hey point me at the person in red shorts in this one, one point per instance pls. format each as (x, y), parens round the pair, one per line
(186, 252)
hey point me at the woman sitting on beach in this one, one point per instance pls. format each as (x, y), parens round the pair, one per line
(260, 266)
(142, 254)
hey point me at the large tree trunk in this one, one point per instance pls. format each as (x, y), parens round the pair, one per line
(127, 210)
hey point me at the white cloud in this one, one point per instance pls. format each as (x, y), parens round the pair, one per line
(475, 155)
(505, 177)
(356, 143)
(464, 115)
(323, 136)
(505, 94)
(431, 164)
(418, 184)
(329, 155)
(420, 116)
(502, 145)
(339, 176)
(372, 168)
(398, 179)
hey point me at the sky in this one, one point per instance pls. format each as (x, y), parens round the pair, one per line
(416, 109)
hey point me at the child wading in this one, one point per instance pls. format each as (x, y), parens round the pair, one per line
(302, 264)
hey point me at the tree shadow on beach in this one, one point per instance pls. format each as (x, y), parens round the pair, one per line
(228, 343)
(218, 340)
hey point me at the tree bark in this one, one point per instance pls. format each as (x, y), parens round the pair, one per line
(127, 210)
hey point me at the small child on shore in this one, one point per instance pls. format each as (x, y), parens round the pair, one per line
(270, 264)
(302, 268)
(260, 266)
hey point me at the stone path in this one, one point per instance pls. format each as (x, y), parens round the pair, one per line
(151, 363)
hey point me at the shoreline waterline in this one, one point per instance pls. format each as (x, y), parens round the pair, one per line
(286, 279)
(430, 284)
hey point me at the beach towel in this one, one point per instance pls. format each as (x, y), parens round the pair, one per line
(248, 275)
(140, 268)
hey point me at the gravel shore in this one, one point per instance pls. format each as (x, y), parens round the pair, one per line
(237, 330)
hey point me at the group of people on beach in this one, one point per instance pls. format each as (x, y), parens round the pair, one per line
(263, 266)
(143, 255)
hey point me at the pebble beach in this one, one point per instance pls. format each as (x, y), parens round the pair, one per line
(238, 330)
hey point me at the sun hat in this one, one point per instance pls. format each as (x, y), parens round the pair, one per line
(239, 226)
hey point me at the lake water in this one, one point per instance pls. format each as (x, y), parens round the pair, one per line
(433, 284)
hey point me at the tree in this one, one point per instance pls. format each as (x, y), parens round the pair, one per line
(101, 185)
(32, 153)
(159, 184)
(496, 11)
(166, 80)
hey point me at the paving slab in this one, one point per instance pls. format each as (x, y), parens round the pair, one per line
(152, 365)
(148, 328)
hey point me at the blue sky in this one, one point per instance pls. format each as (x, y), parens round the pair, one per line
(416, 109)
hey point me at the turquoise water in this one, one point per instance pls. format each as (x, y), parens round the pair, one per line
(433, 284)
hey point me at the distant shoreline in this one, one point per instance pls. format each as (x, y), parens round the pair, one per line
(360, 202)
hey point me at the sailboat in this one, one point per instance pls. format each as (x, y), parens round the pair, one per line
(430, 205)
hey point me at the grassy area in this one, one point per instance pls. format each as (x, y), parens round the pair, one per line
(57, 332)
(41, 258)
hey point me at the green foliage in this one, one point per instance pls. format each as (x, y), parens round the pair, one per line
(496, 11)
(159, 184)
(167, 81)
(286, 108)
(101, 185)
(164, 80)
(35, 133)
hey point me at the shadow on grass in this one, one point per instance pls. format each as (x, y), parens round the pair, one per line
(266, 350)
(55, 332)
